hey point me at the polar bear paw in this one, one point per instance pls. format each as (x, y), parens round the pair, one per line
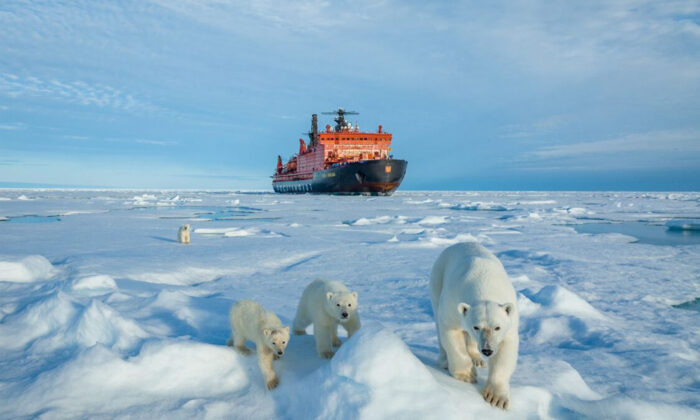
(272, 383)
(327, 354)
(337, 342)
(479, 362)
(496, 395)
(463, 376)
(243, 350)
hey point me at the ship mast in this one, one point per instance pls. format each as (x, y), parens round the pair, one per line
(340, 123)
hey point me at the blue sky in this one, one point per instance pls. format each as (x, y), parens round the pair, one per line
(572, 95)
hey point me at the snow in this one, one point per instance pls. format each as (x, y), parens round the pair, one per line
(104, 314)
(98, 282)
(26, 270)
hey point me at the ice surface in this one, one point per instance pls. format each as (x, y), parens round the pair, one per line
(26, 270)
(104, 314)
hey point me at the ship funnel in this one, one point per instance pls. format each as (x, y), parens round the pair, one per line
(314, 130)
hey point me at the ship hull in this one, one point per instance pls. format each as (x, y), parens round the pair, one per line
(373, 177)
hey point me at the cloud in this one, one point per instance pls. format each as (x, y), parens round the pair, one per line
(681, 141)
(10, 127)
(653, 150)
(143, 141)
(534, 129)
(75, 92)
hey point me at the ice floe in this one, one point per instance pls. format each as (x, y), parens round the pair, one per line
(105, 315)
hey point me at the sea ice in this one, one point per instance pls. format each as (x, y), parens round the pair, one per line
(104, 314)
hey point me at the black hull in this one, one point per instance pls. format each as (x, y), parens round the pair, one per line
(375, 177)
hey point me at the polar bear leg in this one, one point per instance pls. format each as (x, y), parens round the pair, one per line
(301, 320)
(239, 343)
(324, 345)
(458, 361)
(265, 362)
(334, 338)
(501, 367)
(473, 351)
(442, 358)
(352, 325)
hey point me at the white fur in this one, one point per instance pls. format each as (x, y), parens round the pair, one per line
(470, 288)
(322, 304)
(250, 321)
(183, 234)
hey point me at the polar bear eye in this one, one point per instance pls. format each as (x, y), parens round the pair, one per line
(349, 305)
(497, 328)
(337, 304)
(476, 328)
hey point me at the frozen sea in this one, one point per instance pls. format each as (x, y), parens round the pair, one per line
(104, 315)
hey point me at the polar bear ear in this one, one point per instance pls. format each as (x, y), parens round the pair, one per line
(267, 332)
(508, 307)
(286, 329)
(463, 308)
(354, 295)
(329, 295)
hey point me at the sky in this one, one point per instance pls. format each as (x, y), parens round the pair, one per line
(498, 95)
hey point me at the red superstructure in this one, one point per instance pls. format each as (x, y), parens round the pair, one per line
(337, 146)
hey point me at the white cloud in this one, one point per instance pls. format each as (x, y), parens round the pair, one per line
(535, 129)
(143, 141)
(682, 141)
(649, 151)
(76, 92)
(10, 127)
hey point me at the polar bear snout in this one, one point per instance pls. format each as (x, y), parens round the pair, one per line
(486, 352)
(345, 314)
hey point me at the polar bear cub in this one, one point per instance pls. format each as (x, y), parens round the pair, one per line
(327, 304)
(250, 321)
(183, 234)
(475, 312)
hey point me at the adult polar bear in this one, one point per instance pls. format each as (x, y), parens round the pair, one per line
(474, 308)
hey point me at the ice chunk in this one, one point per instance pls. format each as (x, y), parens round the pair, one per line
(559, 300)
(161, 375)
(373, 375)
(98, 282)
(27, 270)
(99, 323)
(38, 319)
(683, 224)
(433, 220)
(379, 220)
(479, 206)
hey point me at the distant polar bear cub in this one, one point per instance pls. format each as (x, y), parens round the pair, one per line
(250, 321)
(475, 311)
(183, 234)
(327, 304)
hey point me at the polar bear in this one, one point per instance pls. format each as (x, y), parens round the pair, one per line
(250, 321)
(475, 310)
(327, 304)
(183, 234)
